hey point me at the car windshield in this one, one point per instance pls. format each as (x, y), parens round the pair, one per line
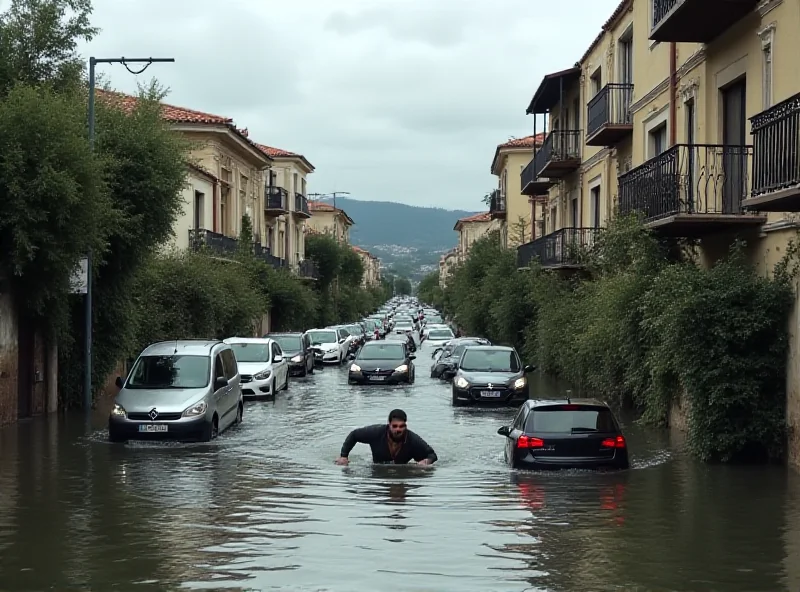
(440, 334)
(569, 419)
(320, 337)
(251, 352)
(381, 351)
(397, 337)
(490, 360)
(433, 319)
(170, 372)
(288, 342)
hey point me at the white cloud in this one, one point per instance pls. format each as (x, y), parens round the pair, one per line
(400, 100)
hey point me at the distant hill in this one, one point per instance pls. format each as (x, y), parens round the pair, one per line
(427, 230)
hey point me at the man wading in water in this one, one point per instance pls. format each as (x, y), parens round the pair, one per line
(391, 443)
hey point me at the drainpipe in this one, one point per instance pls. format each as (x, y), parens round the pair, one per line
(673, 89)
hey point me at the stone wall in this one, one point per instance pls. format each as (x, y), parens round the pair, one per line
(9, 358)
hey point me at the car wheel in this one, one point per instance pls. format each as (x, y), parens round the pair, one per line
(240, 414)
(286, 382)
(456, 401)
(305, 369)
(212, 431)
(272, 390)
(313, 367)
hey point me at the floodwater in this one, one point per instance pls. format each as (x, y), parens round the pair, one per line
(264, 508)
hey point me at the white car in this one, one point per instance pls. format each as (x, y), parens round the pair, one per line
(438, 336)
(263, 368)
(331, 344)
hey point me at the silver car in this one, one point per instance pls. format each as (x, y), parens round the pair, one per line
(181, 390)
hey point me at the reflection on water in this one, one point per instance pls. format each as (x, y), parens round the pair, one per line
(265, 508)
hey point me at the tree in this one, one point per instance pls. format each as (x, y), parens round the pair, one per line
(403, 286)
(429, 291)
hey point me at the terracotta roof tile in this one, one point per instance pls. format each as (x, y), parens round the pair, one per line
(482, 217)
(526, 142)
(321, 206)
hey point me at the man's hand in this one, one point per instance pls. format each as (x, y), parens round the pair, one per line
(342, 460)
(424, 462)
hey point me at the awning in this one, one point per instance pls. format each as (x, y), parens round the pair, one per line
(549, 91)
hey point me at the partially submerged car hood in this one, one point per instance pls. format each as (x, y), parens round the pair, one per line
(164, 400)
(497, 378)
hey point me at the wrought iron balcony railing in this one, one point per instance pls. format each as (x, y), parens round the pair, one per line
(661, 8)
(559, 249)
(497, 204)
(276, 199)
(264, 254)
(200, 238)
(308, 269)
(610, 115)
(776, 157)
(696, 21)
(301, 205)
(687, 179)
(560, 154)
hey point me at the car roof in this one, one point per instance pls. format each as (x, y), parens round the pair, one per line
(235, 340)
(190, 347)
(284, 333)
(492, 347)
(589, 402)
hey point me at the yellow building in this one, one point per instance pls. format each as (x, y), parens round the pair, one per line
(372, 268)
(519, 215)
(654, 118)
(327, 219)
(286, 205)
(471, 229)
(447, 263)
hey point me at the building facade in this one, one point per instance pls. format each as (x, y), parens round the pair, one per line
(687, 112)
(447, 264)
(372, 268)
(330, 220)
(472, 228)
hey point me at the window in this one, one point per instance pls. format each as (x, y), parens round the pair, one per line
(169, 372)
(289, 342)
(199, 207)
(488, 360)
(569, 418)
(296, 183)
(231, 367)
(625, 63)
(596, 81)
(382, 351)
(251, 352)
(595, 197)
(658, 140)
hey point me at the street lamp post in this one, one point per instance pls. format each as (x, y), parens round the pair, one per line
(87, 344)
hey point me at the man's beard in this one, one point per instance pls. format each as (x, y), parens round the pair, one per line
(397, 437)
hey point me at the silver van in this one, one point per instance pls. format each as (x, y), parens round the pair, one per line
(179, 390)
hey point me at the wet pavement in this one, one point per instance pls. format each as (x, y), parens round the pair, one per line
(264, 508)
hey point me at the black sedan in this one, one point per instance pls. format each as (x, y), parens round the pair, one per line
(382, 362)
(490, 374)
(446, 358)
(297, 350)
(565, 434)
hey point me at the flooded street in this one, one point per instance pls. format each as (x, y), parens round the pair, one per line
(264, 508)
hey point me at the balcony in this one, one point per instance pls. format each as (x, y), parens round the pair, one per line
(276, 201)
(696, 21)
(301, 206)
(219, 244)
(559, 155)
(308, 270)
(691, 191)
(776, 158)
(531, 184)
(610, 115)
(497, 205)
(263, 253)
(561, 249)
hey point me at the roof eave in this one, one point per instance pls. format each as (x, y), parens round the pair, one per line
(229, 131)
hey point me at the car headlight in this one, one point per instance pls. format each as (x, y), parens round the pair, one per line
(403, 368)
(520, 383)
(263, 375)
(461, 382)
(297, 358)
(119, 411)
(355, 368)
(195, 410)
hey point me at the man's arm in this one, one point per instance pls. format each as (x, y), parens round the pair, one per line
(365, 435)
(421, 450)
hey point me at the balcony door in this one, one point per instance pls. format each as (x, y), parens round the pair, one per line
(734, 154)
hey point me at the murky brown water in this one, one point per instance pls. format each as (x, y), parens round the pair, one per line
(264, 508)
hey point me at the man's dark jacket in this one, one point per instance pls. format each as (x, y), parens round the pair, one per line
(377, 436)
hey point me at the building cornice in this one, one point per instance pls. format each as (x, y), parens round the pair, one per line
(766, 6)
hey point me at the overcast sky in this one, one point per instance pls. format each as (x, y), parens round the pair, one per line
(395, 100)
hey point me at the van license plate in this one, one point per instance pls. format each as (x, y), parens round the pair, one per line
(151, 428)
(490, 394)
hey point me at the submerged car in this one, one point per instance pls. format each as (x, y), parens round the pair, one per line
(446, 358)
(383, 362)
(181, 390)
(297, 349)
(490, 374)
(264, 369)
(328, 345)
(438, 336)
(563, 434)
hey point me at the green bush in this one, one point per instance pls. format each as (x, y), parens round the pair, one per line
(645, 326)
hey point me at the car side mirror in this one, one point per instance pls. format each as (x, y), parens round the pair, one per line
(530, 368)
(277, 359)
(220, 382)
(119, 382)
(412, 356)
(341, 341)
(504, 431)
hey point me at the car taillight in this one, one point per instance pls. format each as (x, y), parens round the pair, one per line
(618, 442)
(528, 442)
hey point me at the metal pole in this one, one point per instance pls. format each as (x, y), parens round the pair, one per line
(87, 338)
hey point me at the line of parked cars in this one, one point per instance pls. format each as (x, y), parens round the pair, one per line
(545, 433)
